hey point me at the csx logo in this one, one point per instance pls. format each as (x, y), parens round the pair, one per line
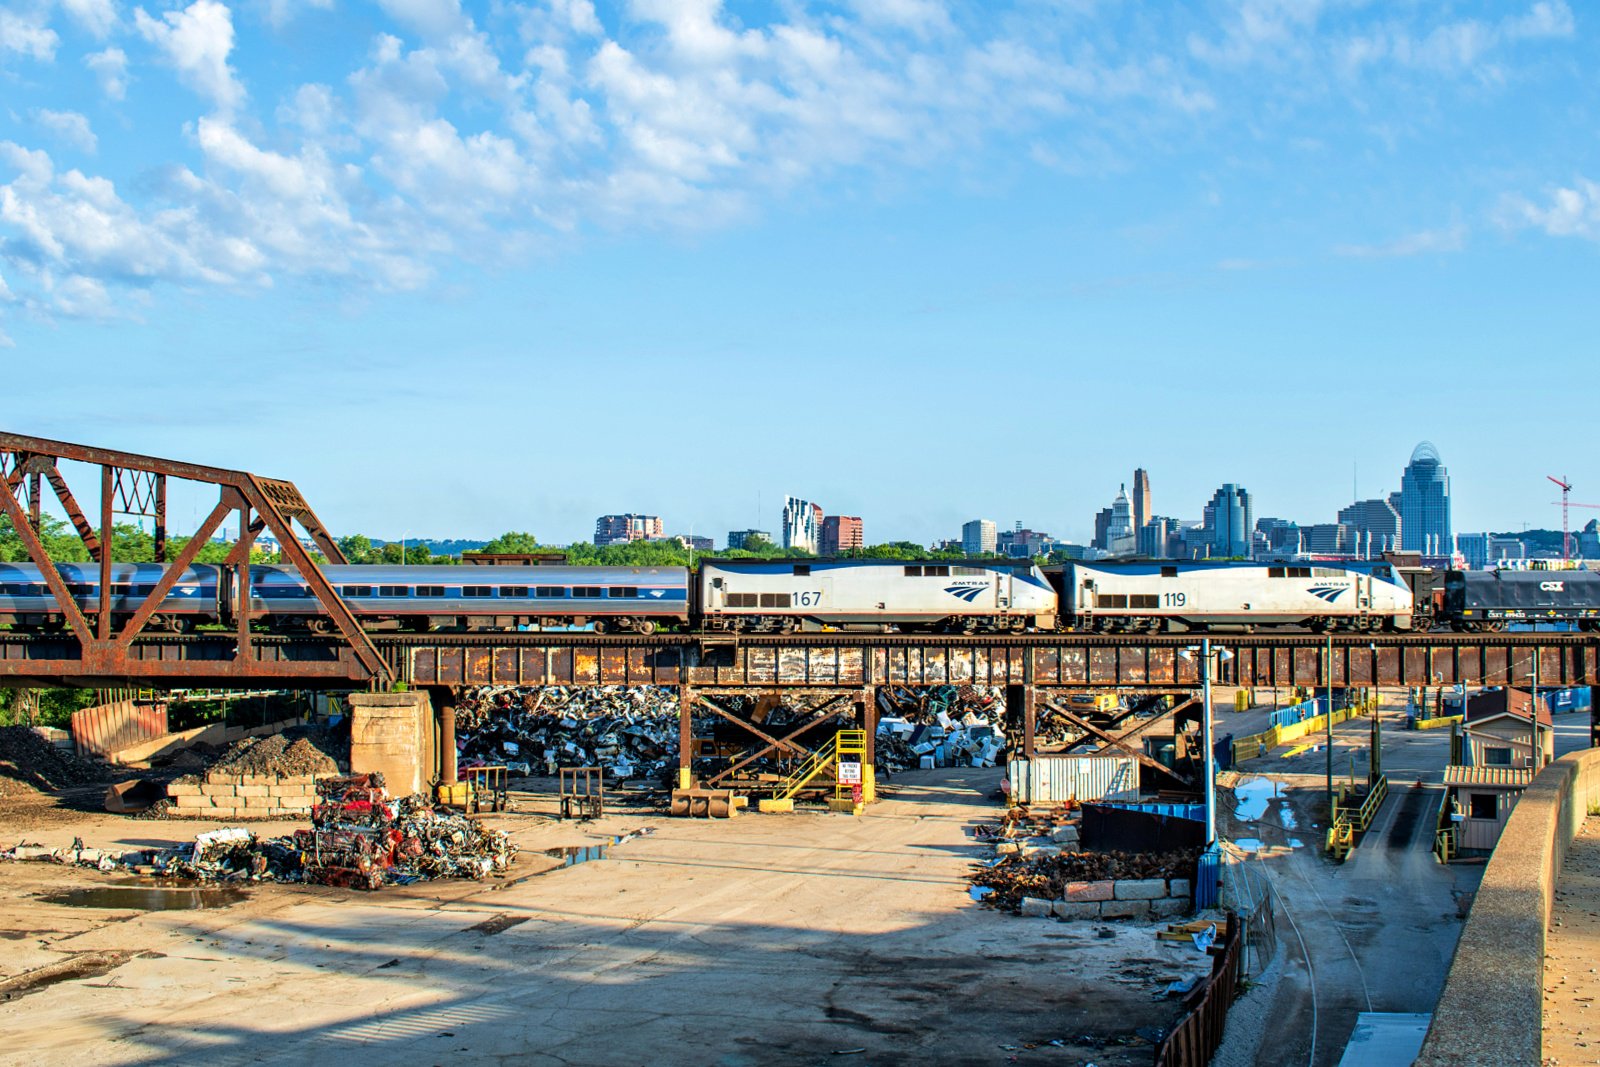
(1550, 587)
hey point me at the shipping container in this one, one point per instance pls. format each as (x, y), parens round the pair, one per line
(1057, 779)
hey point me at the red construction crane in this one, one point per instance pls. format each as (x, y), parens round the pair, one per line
(1566, 538)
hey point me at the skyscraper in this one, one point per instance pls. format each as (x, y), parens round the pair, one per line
(1228, 521)
(1376, 525)
(977, 537)
(1102, 529)
(840, 533)
(1141, 498)
(802, 524)
(1425, 503)
(1120, 537)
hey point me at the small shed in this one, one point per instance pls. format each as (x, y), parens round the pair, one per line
(1502, 730)
(1484, 798)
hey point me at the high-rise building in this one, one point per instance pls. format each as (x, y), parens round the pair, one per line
(840, 533)
(1486, 550)
(1102, 529)
(1121, 538)
(1375, 525)
(1141, 498)
(737, 538)
(1020, 543)
(978, 537)
(802, 524)
(1282, 536)
(620, 529)
(1329, 539)
(1425, 503)
(1154, 535)
(1228, 521)
(694, 543)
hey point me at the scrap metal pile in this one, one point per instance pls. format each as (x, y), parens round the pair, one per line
(360, 838)
(631, 732)
(940, 726)
(1043, 871)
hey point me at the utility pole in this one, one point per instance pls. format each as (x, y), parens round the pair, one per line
(1327, 689)
(1209, 761)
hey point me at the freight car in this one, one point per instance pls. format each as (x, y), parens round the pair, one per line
(1477, 601)
(868, 595)
(1156, 596)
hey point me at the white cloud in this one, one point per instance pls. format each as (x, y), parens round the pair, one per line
(28, 32)
(99, 17)
(70, 128)
(1452, 239)
(197, 41)
(1571, 212)
(281, 12)
(111, 67)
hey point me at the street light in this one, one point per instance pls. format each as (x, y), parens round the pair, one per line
(1206, 743)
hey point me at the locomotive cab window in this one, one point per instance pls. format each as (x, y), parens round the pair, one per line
(477, 590)
(513, 590)
(355, 590)
(802, 569)
(913, 572)
(1169, 572)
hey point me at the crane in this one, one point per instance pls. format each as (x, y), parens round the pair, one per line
(1566, 538)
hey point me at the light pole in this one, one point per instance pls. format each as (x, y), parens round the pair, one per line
(1327, 691)
(1205, 743)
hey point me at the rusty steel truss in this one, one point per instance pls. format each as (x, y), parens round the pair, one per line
(106, 649)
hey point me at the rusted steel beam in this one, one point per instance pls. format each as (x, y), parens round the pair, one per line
(1084, 724)
(134, 625)
(47, 567)
(15, 442)
(1138, 728)
(74, 512)
(160, 532)
(33, 503)
(790, 736)
(768, 738)
(104, 620)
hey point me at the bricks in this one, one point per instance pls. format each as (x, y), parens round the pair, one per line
(1124, 909)
(1140, 889)
(183, 789)
(253, 804)
(1180, 887)
(211, 790)
(250, 790)
(1068, 910)
(193, 802)
(1033, 907)
(1084, 892)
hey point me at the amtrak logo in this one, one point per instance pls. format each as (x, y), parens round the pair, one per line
(657, 592)
(1330, 593)
(969, 593)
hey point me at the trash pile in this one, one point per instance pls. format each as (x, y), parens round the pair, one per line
(360, 838)
(940, 726)
(278, 755)
(631, 732)
(1045, 874)
(29, 763)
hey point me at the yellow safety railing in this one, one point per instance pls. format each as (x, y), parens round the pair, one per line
(1444, 844)
(1435, 724)
(1348, 821)
(844, 743)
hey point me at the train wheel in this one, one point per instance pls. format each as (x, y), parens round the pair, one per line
(601, 626)
(646, 626)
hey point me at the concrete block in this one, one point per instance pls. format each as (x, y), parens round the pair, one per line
(774, 806)
(1171, 906)
(210, 790)
(1033, 907)
(183, 789)
(1180, 888)
(294, 804)
(1069, 910)
(1006, 848)
(1125, 909)
(1041, 850)
(1085, 892)
(229, 812)
(255, 804)
(1140, 889)
(250, 790)
(394, 733)
(32, 852)
(1065, 835)
(193, 802)
(296, 779)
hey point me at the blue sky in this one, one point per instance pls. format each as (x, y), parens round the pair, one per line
(462, 268)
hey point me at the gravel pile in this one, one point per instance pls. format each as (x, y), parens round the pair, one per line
(276, 755)
(30, 763)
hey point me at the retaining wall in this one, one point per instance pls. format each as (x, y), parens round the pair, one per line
(1491, 1010)
(1143, 898)
(244, 796)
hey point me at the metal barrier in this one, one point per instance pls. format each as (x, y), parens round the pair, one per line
(1198, 1034)
(486, 785)
(1249, 892)
(583, 792)
(1347, 822)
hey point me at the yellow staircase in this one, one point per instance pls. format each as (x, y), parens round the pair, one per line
(845, 743)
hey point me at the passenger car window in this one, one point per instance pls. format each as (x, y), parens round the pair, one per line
(913, 572)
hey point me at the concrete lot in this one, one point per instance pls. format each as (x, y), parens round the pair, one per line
(760, 940)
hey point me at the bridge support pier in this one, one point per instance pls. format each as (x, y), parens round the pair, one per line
(685, 736)
(868, 717)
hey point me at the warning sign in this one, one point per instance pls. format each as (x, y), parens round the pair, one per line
(849, 773)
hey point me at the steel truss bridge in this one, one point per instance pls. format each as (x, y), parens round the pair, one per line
(1036, 669)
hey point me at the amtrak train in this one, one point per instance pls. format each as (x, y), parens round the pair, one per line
(788, 595)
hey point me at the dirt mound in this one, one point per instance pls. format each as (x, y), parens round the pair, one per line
(275, 755)
(28, 760)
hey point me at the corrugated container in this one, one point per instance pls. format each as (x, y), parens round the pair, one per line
(1055, 779)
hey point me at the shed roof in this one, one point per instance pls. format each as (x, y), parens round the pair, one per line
(1496, 777)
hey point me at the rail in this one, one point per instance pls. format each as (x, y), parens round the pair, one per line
(1197, 1036)
(1354, 819)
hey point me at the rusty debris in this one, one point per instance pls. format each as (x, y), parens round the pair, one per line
(1045, 875)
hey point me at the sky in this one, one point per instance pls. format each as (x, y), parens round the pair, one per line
(456, 269)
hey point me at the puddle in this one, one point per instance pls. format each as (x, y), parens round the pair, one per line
(1254, 795)
(146, 898)
(1250, 844)
(576, 854)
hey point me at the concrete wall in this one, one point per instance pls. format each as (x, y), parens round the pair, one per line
(244, 796)
(397, 735)
(1491, 1010)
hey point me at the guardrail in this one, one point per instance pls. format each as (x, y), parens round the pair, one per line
(1355, 819)
(1435, 724)
(1196, 1037)
(1256, 745)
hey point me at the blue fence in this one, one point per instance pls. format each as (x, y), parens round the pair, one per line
(1181, 811)
(1208, 882)
(1298, 712)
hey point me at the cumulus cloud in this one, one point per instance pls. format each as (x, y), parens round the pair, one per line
(69, 127)
(111, 68)
(1573, 212)
(28, 33)
(196, 41)
(1451, 239)
(96, 16)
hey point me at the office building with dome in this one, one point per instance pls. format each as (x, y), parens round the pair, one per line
(1425, 503)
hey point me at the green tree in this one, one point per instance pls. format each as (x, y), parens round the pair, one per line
(512, 541)
(357, 548)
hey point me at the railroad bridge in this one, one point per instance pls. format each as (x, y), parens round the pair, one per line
(1037, 670)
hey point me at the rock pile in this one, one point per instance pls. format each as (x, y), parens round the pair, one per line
(29, 763)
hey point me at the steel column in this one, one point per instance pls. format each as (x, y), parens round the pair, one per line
(104, 623)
